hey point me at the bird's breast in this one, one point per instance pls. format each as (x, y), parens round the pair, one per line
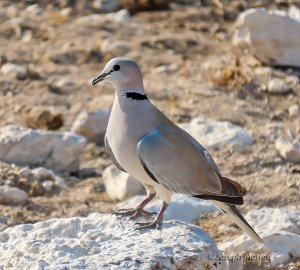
(124, 131)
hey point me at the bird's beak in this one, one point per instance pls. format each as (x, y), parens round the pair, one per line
(99, 78)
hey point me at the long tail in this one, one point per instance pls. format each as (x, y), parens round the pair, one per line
(236, 216)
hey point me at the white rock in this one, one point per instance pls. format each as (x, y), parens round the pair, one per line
(15, 71)
(12, 195)
(166, 68)
(45, 175)
(240, 148)
(66, 12)
(106, 5)
(27, 36)
(289, 150)
(107, 242)
(64, 82)
(121, 16)
(117, 47)
(120, 185)
(277, 43)
(278, 86)
(216, 134)
(294, 110)
(60, 151)
(12, 11)
(280, 230)
(182, 207)
(47, 185)
(33, 10)
(91, 125)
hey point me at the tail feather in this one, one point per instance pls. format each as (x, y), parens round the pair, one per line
(236, 216)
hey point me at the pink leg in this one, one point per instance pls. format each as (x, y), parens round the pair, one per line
(139, 210)
(157, 222)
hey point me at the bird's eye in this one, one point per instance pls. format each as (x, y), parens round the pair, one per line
(116, 67)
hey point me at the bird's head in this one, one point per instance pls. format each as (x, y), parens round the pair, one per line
(124, 74)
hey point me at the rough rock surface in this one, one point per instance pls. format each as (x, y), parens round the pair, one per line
(294, 111)
(289, 150)
(91, 125)
(182, 207)
(120, 185)
(277, 43)
(280, 230)
(45, 175)
(216, 134)
(120, 17)
(54, 150)
(278, 86)
(14, 71)
(107, 242)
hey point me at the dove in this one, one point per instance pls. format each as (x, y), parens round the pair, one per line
(143, 142)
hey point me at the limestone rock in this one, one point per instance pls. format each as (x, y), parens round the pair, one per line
(289, 150)
(166, 69)
(60, 151)
(279, 229)
(182, 207)
(12, 195)
(106, 5)
(107, 242)
(120, 185)
(277, 43)
(14, 71)
(278, 86)
(294, 111)
(122, 16)
(44, 175)
(91, 125)
(12, 11)
(216, 134)
(115, 47)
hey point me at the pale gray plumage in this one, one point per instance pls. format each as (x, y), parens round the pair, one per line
(142, 141)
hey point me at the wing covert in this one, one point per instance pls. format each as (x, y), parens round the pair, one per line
(174, 160)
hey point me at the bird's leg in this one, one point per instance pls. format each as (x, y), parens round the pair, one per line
(157, 222)
(139, 210)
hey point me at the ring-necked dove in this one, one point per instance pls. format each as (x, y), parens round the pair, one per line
(143, 142)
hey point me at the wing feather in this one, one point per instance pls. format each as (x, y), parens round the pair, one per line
(177, 161)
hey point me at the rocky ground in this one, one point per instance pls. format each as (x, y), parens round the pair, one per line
(190, 67)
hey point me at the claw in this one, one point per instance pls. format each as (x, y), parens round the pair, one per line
(134, 213)
(139, 210)
(156, 223)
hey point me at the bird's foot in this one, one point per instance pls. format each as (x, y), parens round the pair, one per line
(134, 212)
(156, 223)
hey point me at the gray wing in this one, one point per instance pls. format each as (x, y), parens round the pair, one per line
(110, 153)
(180, 163)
